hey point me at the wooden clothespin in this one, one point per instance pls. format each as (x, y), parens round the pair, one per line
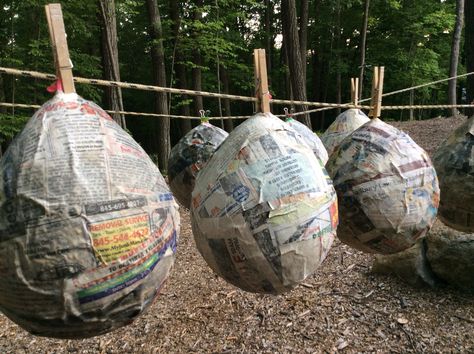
(377, 90)
(261, 81)
(355, 91)
(57, 33)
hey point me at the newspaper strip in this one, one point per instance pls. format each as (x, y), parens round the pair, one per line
(189, 156)
(88, 226)
(454, 163)
(264, 211)
(387, 189)
(344, 125)
(310, 138)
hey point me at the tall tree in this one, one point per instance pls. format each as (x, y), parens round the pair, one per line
(159, 75)
(293, 50)
(469, 49)
(363, 40)
(228, 123)
(110, 59)
(197, 68)
(303, 33)
(453, 69)
(179, 67)
(268, 33)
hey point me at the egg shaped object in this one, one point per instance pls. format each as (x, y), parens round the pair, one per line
(454, 163)
(345, 124)
(387, 189)
(189, 156)
(88, 226)
(264, 211)
(310, 138)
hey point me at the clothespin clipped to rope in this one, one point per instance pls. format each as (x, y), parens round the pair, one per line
(288, 114)
(377, 91)
(261, 81)
(62, 61)
(204, 115)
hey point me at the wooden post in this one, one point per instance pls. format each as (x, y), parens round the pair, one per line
(355, 90)
(261, 81)
(377, 90)
(57, 33)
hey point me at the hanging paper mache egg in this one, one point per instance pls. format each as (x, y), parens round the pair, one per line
(344, 125)
(88, 226)
(454, 163)
(264, 211)
(387, 189)
(189, 156)
(310, 138)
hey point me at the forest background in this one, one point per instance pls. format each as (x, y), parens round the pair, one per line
(313, 49)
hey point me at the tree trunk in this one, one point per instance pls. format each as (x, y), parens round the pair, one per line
(453, 69)
(197, 71)
(159, 76)
(293, 50)
(110, 59)
(469, 50)
(268, 35)
(288, 89)
(180, 69)
(363, 40)
(303, 34)
(339, 46)
(412, 102)
(228, 123)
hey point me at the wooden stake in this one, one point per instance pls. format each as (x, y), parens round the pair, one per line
(57, 32)
(355, 90)
(261, 81)
(377, 91)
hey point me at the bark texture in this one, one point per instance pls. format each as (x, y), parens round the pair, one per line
(110, 59)
(453, 68)
(159, 77)
(295, 63)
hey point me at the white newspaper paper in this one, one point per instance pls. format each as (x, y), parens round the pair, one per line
(344, 125)
(264, 211)
(88, 226)
(189, 156)
(310, 138)
(387, 189)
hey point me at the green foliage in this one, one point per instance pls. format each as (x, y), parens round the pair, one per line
(412, 39)
(10, 125)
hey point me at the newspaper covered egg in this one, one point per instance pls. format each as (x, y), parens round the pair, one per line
(345, 123)
(310, 138)
(454, 163)
(387, 189)
(88, 226)
(264, 211)
(189, 156)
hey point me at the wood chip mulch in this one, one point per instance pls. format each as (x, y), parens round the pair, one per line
(342, 308)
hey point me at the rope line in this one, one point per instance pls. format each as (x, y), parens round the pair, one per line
(442, 106)
(99, 82)
(423, 85)
(33, 106)
(322, 106)
(38, 75)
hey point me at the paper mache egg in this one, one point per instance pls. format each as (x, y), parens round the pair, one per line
(310, 138)
(264, 211)
(88, 226)
(454, 163)
(345, 124)
(387, 189)
(189, 156)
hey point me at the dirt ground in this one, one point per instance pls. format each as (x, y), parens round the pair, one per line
(342, 308)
